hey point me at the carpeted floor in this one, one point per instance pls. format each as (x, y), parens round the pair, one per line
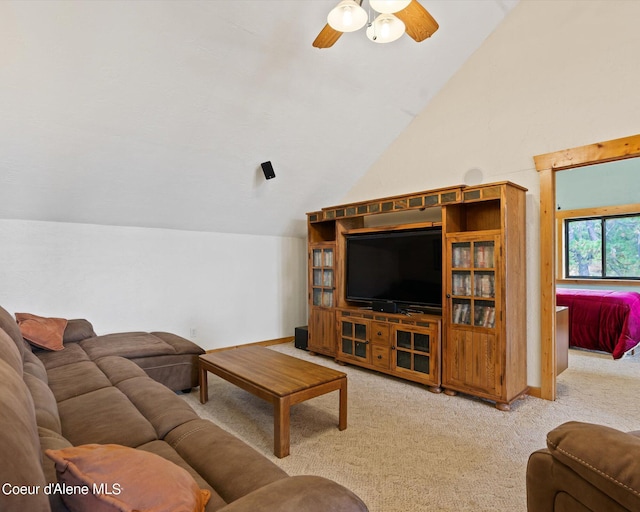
(406, 449)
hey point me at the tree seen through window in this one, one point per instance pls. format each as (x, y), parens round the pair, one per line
(603, 247)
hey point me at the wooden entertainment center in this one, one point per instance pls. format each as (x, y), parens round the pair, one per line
(477, 345)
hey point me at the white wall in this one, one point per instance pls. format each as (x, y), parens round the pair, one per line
(232, 289)
(554, 75)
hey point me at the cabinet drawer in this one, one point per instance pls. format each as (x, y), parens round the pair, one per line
(380, 357)
(380, 333)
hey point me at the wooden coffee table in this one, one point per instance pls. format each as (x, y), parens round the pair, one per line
(277, 378)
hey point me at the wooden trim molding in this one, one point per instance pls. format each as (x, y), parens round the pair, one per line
(535, 392)
(600, 152)
(547, 165)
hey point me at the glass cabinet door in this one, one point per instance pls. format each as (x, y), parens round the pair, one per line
(354, 338)
(413, 349)
(472, 287)
(322, 276)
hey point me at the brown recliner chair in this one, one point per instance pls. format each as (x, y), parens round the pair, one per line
(585, 468)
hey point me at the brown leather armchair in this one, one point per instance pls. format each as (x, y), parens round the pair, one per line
(585, 468)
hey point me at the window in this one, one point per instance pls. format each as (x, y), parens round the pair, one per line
(606, 247)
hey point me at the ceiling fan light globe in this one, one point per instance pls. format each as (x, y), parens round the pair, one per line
(388, 6)
(385, 29)
(347, 16)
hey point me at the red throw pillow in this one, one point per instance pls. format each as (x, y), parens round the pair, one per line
(42, 332)
(115, 478)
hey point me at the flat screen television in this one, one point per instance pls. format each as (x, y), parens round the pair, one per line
(404, 267)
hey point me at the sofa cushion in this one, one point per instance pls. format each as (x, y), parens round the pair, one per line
(162, 408)
(72, 353)
(299, 494)
(42, 332)
(122, 479)
(19, 442)
(76, 379)
(33, 366)
(78, 329)
(105, 416)
(231, 466)
(164, 450)
(50, 440)
(10, 353)
(45, 403)
(126, 344)
(179, 344)
(9, 325)
(118, 369)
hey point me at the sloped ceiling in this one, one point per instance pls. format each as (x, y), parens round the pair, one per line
(159, 113)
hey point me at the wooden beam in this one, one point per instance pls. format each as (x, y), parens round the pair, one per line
(547, 285)
(617, 149)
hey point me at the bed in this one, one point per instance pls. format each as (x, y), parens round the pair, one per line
(603, 320)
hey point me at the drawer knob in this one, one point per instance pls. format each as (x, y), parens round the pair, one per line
(379, 333)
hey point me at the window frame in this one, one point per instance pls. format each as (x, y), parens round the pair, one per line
(603, 213)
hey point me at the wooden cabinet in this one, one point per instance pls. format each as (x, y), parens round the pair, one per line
(322, 286)
(400, 345)
(322, 326)
(562, 339)
(472, 337)
(478, 345)
(484, 347)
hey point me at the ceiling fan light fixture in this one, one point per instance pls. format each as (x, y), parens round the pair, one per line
(347, 16)
(388, 6)
(385, 29)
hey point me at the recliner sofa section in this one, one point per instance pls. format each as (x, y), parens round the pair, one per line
(87, 394)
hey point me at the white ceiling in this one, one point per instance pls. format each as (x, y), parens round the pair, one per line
(159, 113)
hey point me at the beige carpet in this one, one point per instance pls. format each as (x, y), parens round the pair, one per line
(407, 449)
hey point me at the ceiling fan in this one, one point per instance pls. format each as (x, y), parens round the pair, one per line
(393, 18)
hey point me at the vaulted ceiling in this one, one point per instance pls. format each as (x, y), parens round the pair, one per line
(159, 113)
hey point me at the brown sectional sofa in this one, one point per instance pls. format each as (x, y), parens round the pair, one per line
(585, 467)
(86, 394)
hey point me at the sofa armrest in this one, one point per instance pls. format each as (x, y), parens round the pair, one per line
(299, 494)
(604, 457)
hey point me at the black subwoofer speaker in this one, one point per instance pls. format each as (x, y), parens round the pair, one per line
(302, 337)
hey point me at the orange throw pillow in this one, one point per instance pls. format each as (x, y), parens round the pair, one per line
(42, 332)
(115, 478)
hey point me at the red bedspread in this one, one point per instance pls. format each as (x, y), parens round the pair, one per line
(603, 320)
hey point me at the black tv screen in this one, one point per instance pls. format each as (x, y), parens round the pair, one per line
(400, 266)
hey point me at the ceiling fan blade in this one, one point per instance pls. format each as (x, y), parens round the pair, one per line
(418, 22)
(327, 37)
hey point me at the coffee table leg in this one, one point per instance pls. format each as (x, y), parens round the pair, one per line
(342, 424)
(204, 389)
(281, 426)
